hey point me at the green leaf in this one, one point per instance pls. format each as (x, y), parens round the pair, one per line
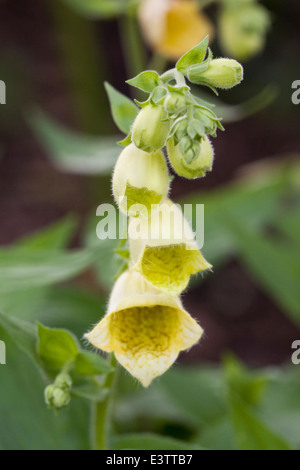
(123, 110)
(275, 265)
(148, 441)
(98, 8)
(73, 152)
(80, 308)
(26, 423)
(255, 202)
(27, 303)
(207, 382)
(244, 391)
(107, 264)
(250, 432)
(249, 385)
(55, 236)
(88, 363)
(145, 81)
(23, 334)
(56, 347)
(28, 268)
(193, 56)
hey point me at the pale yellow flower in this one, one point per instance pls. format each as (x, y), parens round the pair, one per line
(172, 27)
(140, 179)
(164, 250)
(145, 328)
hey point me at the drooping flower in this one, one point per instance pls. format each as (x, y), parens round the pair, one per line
(220, 73)
(243, 28)
(140, 179)
(145, 328)
(151, 128)
(195, 167)
(172, 27)
(164, 250)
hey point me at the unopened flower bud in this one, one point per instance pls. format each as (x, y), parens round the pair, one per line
(175, 103)
(60, 398)
(189, 149)
(63, 381)
(151, 128)
(186, 164)
(48, 394)
(243, 30)
(140, 179)
(221, 73)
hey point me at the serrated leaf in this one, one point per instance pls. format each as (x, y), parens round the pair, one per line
(123, 110)
(73, 152)
(88, 363)
(145, 81)
(149, 441)
(194, 56)
(55, 347)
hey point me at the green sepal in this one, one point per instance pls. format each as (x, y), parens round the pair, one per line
(158, 95)
(126, 141)
(123, 110)
(146, 81)
(193, 56)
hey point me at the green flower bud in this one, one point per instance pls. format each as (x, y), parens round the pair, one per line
(63, 381)
(60, 398)
(151, 128)
(193, 162)
(140, 179)
(48, 394)
(175, 103)
(221, 73)
(243, 30)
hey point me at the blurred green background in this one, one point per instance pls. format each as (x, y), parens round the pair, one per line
(238, 389)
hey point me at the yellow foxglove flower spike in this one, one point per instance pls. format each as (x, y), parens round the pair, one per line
(164, 250)
(140, 180)
(145, 328)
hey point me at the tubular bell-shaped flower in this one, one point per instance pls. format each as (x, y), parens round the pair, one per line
(140, 180)
(151, 128)
(145, 328)
(164, 250)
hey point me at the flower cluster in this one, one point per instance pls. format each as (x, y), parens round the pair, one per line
(146, 325)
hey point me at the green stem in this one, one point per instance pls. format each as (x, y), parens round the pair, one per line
(101, 412)
(81, 58)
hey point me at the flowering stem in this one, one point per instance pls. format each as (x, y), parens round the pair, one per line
(173, 74)
(101, 412)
